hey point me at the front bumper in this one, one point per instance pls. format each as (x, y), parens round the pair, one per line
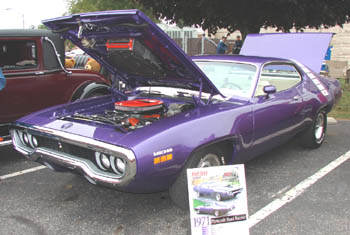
(72, 160)
(5, 138)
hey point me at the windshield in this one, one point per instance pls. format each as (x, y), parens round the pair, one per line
(231, 78)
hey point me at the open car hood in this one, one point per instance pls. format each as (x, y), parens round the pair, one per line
(306, 48)
(133, 48)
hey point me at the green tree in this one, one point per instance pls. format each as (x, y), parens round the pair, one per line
(249, 16)
(41, 26)
(79, 6)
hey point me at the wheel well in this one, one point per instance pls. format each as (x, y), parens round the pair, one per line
(327, 108)
(88, 88)
(225, 144)
(101, 90)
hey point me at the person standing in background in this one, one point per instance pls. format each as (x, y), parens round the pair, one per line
(221, 47)
(237, 46)
(2, 80)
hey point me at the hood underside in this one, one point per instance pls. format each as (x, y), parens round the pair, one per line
(306, 48)
(133, 48)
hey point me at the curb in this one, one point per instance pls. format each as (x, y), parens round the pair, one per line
(331, 120)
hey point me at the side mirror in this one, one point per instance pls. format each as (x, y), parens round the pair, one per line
(270, 89)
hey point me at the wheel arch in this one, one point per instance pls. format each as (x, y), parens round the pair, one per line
(225, 143)
(88, 88)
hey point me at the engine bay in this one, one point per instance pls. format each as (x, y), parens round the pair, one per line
(130, 115)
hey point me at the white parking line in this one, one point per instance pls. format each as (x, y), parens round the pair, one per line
(296, 191)
(22, 172)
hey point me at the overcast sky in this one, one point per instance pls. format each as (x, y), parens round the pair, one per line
(12, 12)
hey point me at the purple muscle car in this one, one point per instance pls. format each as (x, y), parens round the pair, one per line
(214, 209)
(218, 190)
(168, 112)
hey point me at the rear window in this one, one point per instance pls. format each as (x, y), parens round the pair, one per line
(19, 54)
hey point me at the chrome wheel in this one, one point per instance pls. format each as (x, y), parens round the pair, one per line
(218, 197)
(206, 157)
(209, 160)
(319, 128)
(216, 213)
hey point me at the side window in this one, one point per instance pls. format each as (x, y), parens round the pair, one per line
(18, 54)
(282, 76)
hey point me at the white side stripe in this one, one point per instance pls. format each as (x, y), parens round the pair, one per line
(296, 191)
(21, 172)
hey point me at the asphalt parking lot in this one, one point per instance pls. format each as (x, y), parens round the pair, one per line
(45, 202)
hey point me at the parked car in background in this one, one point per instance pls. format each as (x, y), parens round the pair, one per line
(168, 112)
(32, 62)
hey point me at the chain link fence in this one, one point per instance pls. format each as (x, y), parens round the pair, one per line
(198, 46)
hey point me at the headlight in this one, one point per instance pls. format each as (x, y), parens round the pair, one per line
(118, 165)
(105, 161)
(34, 141)
(25, 138)
(98, 160)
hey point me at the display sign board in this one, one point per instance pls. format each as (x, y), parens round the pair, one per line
(218, 200)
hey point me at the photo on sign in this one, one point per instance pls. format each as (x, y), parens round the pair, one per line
(218, 199)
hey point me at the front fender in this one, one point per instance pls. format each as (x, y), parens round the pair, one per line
(163, 148)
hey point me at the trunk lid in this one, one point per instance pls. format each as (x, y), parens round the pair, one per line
(307, 48)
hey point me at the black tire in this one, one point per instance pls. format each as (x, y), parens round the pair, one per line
(178, 191)
(315, 135)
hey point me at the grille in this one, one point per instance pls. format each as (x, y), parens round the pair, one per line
(66, 148)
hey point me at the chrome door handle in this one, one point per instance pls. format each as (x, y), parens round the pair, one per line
(296, 97)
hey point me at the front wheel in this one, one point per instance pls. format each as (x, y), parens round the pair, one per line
(218, 197)
(315, 135)
(207, 157)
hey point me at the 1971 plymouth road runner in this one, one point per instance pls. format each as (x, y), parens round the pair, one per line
(215, 209)
(168, 112)
(33, 63)
(218, 190)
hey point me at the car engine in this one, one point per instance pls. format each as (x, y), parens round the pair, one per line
(134, 114)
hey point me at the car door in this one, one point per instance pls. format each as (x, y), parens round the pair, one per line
(29, 87)
(277, 116)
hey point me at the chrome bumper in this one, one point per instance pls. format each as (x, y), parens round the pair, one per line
(87, 168)
(5, 142)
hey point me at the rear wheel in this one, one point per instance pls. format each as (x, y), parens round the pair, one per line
(207, 157)
(315, 135)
